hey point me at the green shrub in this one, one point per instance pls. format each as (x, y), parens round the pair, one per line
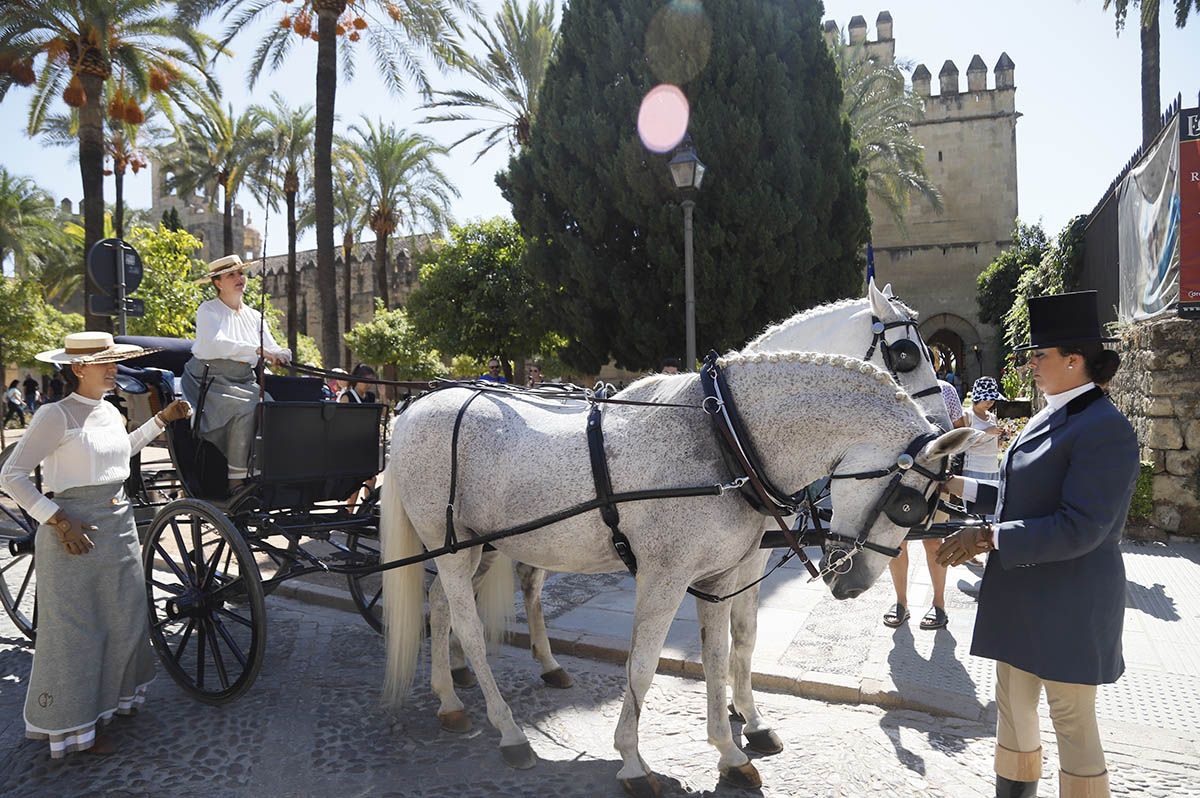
(1143, 495)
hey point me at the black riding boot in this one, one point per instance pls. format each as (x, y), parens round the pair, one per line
(1015, 789)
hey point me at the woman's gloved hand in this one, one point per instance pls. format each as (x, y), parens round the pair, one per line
(179, 409)
(72, 534)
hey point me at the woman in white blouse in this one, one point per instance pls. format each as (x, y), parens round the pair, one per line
(224, 355)
(93, 658)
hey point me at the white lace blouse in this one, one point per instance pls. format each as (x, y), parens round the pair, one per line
(223, 333)
(78, 441)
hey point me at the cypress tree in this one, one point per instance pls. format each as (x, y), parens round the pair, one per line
(779, 222)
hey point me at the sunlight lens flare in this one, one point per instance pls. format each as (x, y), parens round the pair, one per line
(663, 118)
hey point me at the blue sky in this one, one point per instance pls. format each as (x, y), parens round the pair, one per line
(1077, 88)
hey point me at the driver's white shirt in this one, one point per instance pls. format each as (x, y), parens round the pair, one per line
(223, 333)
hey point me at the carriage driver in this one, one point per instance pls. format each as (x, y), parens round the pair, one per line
(227, 344)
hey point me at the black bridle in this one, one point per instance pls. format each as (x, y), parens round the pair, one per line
(903, 355)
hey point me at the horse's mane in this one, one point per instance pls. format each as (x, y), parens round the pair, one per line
(824, 310)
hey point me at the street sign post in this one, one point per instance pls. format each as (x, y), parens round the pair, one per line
(116, 268)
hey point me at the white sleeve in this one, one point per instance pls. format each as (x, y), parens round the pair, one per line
(269, 341)
(970, 489)
(44, 435)
(217, 342)
(143, 435)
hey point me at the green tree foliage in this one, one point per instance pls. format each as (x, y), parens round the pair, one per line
(29, 222)
(28, 325)
(170, 219)
(168, 282)
(389, 339)
(477, 298)
(997, 284)
(780, 222)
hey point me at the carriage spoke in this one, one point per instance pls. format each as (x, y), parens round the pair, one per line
(198, 549)
(24, 585)
(218, 660)
(183, 551)
(229, 641)
(174, 590)
(187, 635)
(180, 575)
(233, 616)
(11, 564)
(200, 655)
(210, 568)
(375, 599)
(158, 625)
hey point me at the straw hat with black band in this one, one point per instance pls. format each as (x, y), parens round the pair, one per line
(90, 348)
(225, 265)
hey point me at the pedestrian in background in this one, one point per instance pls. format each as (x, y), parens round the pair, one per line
(14, 403)
(1052, 601)
(534, 376)
(670, 365)
(493, 373)
(31, 392)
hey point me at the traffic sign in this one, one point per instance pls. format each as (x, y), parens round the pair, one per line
(102, 265)
(100, 305)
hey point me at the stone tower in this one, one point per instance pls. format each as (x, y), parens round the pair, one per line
(970, 139)
(201, 216)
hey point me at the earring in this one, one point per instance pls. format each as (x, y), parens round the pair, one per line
(1070, 366)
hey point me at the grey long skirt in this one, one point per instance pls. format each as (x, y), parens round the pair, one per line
(93, 658)
(227, 419)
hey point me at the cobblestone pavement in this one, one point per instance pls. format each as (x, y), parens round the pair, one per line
(312, 726)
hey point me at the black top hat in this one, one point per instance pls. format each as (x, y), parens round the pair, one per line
(1064, 320)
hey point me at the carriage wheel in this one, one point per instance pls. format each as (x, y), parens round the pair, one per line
(367, 591)
(207, 616)
(18, 580)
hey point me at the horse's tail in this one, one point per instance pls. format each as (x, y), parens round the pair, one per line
(403, 594)
(495, 599)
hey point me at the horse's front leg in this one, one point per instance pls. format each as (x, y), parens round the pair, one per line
(734, 765)
(455, 572)
(658, 599)
(532, 580)
(744, 617)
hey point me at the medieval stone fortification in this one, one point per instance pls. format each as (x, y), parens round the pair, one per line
(970, 142)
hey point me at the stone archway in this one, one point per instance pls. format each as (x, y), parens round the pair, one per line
(959, 340)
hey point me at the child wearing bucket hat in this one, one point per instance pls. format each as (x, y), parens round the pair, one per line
(982, 460)
(93, 658)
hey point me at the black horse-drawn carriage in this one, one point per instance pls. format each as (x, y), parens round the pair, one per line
(211, 558)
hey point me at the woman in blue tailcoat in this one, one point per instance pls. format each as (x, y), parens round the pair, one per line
(1052, 601)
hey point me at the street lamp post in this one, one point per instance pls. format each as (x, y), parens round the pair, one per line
(687, 172)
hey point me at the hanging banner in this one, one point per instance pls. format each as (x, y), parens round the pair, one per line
(1148, 213)
(1189, 212)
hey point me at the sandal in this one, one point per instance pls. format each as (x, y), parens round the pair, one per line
(936, 618)
(895, 616)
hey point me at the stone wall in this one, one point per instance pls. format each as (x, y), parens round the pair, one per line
(1158, 388)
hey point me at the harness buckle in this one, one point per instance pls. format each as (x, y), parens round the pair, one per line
(714, 408)
(735, 484)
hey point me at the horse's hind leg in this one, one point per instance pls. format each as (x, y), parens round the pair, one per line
(744, 617)
(455, 574)
(658, 600)
(734, 765)
(532, 580)
(450, 712)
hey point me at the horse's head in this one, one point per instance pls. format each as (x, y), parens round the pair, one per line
(897, 346)
(878, 495)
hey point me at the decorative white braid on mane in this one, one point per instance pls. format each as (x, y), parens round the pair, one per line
(825, 309)
(817, 359)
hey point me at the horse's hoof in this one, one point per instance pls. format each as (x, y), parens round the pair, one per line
(463, 677)
(735, 715)
(764, 742)
(745, 776)
(642, 787)
(519, 756)
(558, 678)
(456, 722)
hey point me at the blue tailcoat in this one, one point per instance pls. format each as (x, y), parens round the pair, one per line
(1052, 600)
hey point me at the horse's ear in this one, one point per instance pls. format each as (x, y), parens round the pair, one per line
(880, 307)
(953, 442)
(887, 291)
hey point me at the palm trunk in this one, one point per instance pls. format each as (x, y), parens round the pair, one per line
(227, 226)
(119, 207)
(91, 169)
(347, 297)
(1151, 108)
(506, 367)
(327, 16)
(381, 268)
(293, 316)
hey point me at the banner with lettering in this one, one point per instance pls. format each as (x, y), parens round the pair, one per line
(1148, 214)
(1189, 212)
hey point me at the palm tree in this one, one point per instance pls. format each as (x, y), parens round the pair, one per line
(290, 133)
(29, 223)
(216, 150)
(350, 214)
(403, 184)
(1151, 97)
(78, 44)
(401, 35)
(882, 111)
(519, 45)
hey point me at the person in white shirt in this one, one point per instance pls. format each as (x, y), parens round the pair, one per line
(93, 658)
(226, 350)
(982, 460)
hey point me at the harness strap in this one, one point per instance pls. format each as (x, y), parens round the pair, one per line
(604, 492)
(451, 538)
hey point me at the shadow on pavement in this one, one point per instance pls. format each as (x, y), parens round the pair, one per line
(1152, 600)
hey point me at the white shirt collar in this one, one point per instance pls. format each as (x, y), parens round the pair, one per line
(85, 400)
(1060, 400)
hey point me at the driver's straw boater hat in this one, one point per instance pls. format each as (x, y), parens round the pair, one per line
(89, 348)
(229, 263)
